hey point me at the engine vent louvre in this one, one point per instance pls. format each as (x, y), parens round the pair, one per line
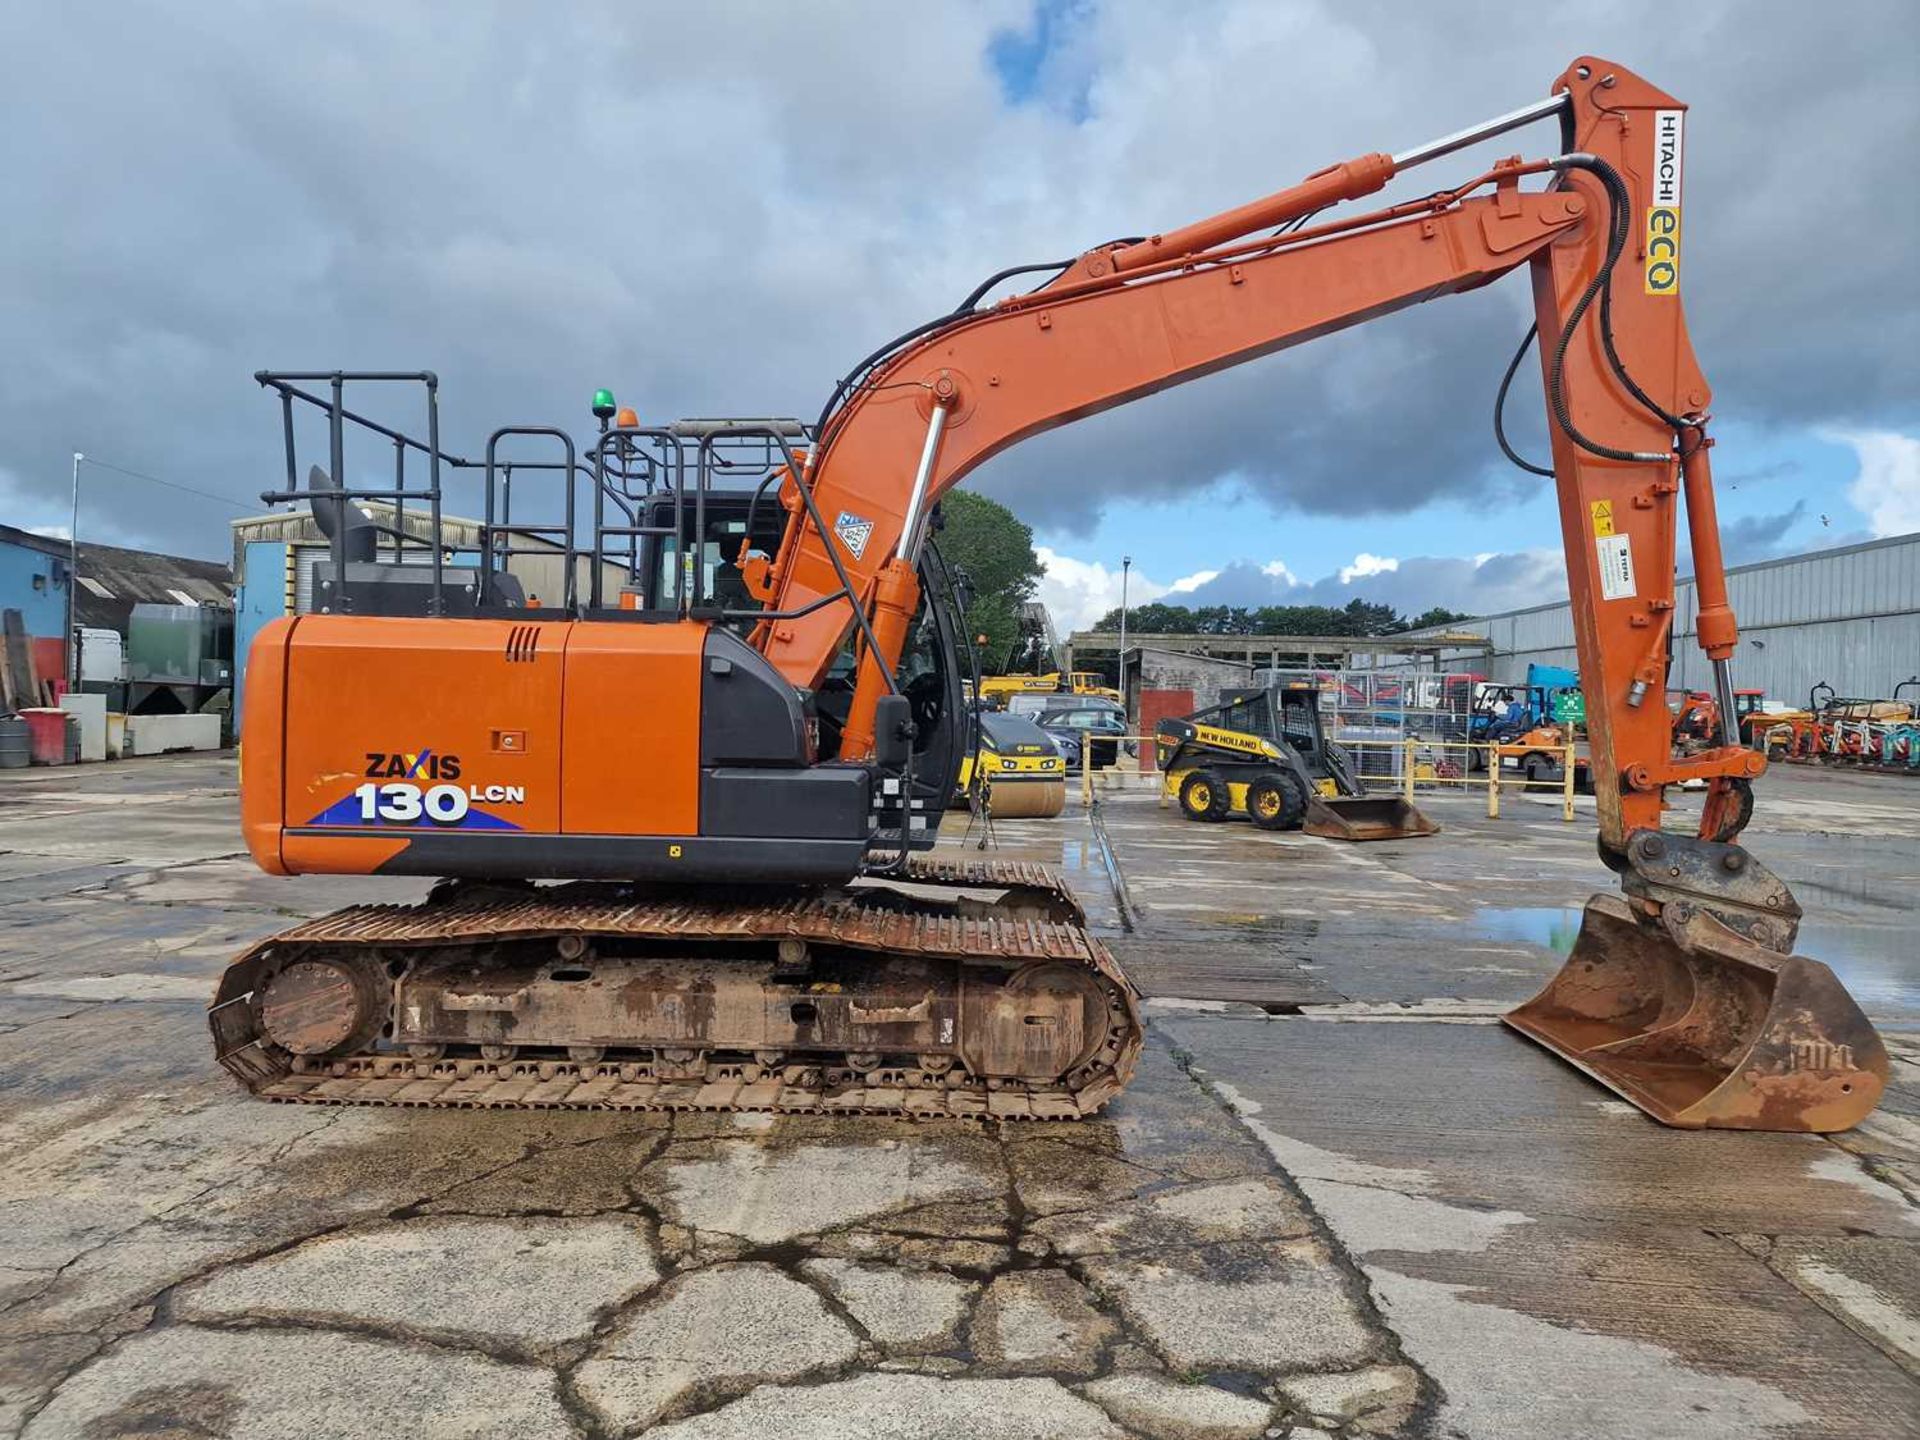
(523, 643)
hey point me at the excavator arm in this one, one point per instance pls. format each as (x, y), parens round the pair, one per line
(1128, 320)
(1684, 996)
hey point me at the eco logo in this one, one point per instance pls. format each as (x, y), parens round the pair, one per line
(1663, 215)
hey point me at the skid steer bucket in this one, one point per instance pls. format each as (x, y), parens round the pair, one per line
(1700, 1026)
(1365, 817)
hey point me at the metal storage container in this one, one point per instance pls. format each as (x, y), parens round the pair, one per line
(16, 745)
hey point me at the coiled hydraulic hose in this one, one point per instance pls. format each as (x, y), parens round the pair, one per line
(1619, 206)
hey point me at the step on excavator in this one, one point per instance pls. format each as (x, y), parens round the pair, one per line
(683, 835)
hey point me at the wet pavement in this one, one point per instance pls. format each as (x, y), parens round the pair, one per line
(1338, 1198)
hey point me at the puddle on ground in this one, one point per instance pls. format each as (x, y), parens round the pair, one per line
(1552, 927)
(1876, 963)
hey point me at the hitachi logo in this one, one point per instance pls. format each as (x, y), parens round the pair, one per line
(1666, 157)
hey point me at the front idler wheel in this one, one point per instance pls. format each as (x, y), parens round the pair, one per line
(322, 1007)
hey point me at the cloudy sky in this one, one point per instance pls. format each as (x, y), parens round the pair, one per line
(717, 208)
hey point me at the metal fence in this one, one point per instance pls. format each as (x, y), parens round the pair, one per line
(1413, 765)
(1372, 713)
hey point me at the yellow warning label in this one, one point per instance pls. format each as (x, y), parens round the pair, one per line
(1663, 250)
(1602, 517)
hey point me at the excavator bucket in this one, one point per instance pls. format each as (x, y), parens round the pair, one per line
(1701, 1027)
(1365, 817)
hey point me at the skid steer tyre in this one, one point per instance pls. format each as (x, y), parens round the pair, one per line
(1277, 801)
(1203, 796)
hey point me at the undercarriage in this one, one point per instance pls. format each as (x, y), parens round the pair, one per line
(948, 989)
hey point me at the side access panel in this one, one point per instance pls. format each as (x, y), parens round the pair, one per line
(631, 729)
(401, 729)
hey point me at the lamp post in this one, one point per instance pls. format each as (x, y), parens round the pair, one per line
(1126, 565)
(73, 576)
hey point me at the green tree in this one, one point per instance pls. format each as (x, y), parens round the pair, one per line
(991, 544)
(1356, 617)
(1438, 615)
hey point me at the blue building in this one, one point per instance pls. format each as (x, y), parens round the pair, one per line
(34, 580)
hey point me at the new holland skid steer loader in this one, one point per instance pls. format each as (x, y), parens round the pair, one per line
(1265, 754)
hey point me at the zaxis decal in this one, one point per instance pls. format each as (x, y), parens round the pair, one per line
(384, 764)
(406, 802)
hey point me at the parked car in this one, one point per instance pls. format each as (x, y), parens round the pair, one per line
(1034, 706)
(1086, 730)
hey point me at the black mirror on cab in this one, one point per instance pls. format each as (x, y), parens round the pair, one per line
(892, 732)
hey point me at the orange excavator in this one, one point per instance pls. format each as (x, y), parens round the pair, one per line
(734, 796)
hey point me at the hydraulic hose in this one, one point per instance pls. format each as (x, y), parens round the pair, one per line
(1500, 407)
(1619, 208)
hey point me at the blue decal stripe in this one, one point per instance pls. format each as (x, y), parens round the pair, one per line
(346, 814)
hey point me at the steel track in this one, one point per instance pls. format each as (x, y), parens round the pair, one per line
(878, 917)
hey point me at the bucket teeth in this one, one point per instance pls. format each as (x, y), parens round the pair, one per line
(1702, 1028)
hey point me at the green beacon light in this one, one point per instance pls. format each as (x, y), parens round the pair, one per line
(603, 405)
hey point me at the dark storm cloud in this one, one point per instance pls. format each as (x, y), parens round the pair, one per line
(716, 209)
(1758, 537)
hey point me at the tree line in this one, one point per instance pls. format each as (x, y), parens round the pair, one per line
(1355, 618)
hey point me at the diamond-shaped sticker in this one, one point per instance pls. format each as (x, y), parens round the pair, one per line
(854, 532)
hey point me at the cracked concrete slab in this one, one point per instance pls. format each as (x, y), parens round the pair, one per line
(1477, 1207)
(1039, 1321)
(899, 1308)
(1169, 1410)
(1578, 1386)
(769, 1195)
(581, 1178)
(1869, 1283)
(319, 1385)
(1374, 1400)
(710, 1334)
(495, 1279)
(1269, 1307)
(1252, 1208)
(884, 1247)
(819, 1274)
(1053, 1175)
(179, 989)
(905, 1407)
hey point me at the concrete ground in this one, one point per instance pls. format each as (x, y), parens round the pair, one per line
(1338, 1199)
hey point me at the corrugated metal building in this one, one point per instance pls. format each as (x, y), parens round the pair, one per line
(33, 580)
(1849, 617)
(113, 580)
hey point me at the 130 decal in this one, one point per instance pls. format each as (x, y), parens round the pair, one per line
(405, 804)
(395, 795)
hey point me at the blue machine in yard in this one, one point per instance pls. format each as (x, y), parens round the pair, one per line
(1551, 694)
